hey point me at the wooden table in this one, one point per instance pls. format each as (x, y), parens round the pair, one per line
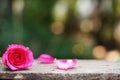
(84, 70)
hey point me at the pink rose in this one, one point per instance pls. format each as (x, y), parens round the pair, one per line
(17, 57)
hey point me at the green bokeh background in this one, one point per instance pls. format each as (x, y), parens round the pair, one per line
(33, 29)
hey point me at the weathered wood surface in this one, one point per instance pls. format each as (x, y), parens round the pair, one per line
(84, 70)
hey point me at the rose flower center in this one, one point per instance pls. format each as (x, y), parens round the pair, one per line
(17, 57)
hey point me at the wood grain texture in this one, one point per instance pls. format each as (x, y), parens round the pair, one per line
(84, 70)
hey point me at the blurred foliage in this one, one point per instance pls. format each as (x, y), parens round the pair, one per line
(63, 28)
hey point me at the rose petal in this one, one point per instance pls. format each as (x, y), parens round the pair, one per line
(66, 64)
(12, 67)
(46, 59)
(4, 61)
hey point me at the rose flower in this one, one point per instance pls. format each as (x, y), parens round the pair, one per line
(17, 57)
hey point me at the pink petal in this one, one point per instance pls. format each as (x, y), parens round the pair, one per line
(11, 66)
(4, 61)
(46, 59)
(66, 64)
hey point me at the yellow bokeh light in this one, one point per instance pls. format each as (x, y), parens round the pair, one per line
(77, 49)
(57, 28)
(112, 55)
(117, 33)
(86, 26)
(99, 52)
